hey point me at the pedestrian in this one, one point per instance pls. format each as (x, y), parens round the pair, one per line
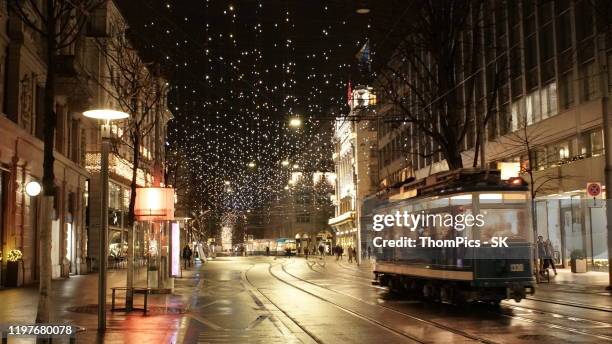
(187, 256)
(322, 250)
(267, 250)
(549, 257)
(337, 252)
(541, 253)
(341, 252)
(350, 254)
(355, 255)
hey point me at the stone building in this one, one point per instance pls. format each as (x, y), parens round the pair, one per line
(302, 210)
(356, 168)
(22, 77)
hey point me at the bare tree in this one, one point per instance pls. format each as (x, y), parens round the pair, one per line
(137, 88)
(527, 139)
(59, 23)
(437, 80)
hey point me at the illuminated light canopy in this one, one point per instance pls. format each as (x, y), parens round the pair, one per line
(106, 114)
(154, 204)
(251, 164)
(33, 188)
(285, 163)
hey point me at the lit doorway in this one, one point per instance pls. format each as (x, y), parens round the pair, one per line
(71, 248)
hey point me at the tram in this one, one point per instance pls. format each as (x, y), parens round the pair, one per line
(459, 273)
(283, 244)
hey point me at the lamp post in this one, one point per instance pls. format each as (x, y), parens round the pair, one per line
(107, 116)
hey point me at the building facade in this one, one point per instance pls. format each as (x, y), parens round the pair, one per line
(105, 45)
(551, 100)
(356, 165)
(301, 211)
(22, 74)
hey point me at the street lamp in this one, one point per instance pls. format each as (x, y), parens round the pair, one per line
(285, 163)
(106, 115)
(251, 164)
(33, 188)
(227, 182)
(295, 122)
(362, 7)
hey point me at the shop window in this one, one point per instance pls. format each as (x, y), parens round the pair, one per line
(114, 196)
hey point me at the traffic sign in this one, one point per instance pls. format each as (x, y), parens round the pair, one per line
(593, 189)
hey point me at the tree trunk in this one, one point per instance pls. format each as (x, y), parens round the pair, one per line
(132, 219)
(44, 290)
(49, 191)
(453, 157)
(133, 185)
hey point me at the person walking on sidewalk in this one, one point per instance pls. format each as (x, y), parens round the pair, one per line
(548, 257)
(187, 256)
(541, 253)
(350, 254)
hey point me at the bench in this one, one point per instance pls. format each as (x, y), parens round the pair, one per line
(133, 291)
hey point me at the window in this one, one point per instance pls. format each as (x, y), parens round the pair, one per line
(564, 31)
(588, 80)
(549, 100)
(303, 218)
(567, 90)
(518, 118)
(592, 143)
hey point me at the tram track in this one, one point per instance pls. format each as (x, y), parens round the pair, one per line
(421, 320)
(499, 313)
(280, 309)
(571, 304)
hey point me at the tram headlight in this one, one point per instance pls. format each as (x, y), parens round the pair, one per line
(517, 181)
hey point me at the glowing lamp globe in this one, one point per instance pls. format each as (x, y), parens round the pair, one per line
(295, 122)
(33, 188)
(105, 114)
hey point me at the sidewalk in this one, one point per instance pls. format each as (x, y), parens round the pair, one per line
(75, 299)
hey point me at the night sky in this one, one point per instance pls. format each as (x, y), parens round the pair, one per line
(240, 70)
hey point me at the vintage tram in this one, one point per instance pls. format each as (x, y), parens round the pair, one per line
(459, 274)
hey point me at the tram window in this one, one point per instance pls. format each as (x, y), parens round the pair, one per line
(461, 199)
(511, 223)
(490, 198)
(438, 203)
